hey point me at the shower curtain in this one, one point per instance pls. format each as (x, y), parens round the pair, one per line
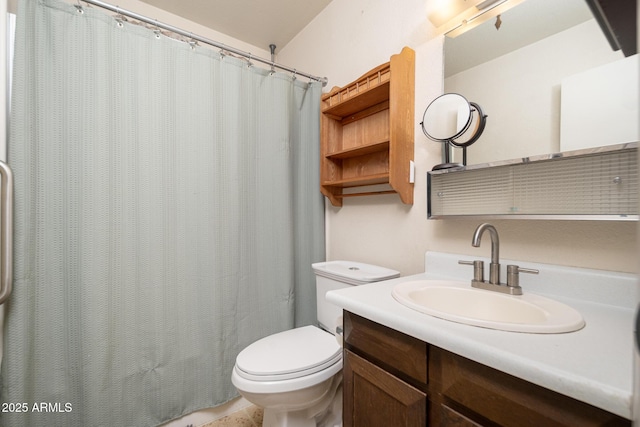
(167, 214)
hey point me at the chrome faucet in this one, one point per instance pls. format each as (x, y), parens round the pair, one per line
(494, 268)
(512, 286)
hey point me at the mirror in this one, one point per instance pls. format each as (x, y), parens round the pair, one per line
(447, 119)
(518, 72)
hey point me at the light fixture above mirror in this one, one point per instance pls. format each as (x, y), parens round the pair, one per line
(454, 17)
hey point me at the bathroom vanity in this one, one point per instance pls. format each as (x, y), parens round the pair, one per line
(402, 367)
(393, 379)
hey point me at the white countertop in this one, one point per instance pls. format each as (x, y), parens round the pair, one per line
(593, 365)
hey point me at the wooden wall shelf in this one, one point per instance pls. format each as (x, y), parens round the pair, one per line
(359, 151)
(367, 132)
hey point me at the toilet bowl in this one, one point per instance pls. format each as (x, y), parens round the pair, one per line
(296, 375)
(300, 394)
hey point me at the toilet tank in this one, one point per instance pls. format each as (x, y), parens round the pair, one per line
(332, 275)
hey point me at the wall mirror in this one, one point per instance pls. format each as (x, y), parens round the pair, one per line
(534, 78)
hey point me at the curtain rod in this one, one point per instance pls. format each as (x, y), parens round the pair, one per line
(190, 35)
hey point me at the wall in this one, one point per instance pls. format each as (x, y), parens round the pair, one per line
(352, 36)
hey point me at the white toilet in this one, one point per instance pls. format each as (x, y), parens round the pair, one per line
(296, 375)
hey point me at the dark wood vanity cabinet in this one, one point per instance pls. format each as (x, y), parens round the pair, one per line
(385, 376)
(392, 380)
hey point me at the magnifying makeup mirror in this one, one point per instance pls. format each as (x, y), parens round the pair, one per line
(448, 119)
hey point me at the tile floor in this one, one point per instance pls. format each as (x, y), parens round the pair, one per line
(250, 416)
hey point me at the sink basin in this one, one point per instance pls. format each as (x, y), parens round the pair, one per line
(459, 302)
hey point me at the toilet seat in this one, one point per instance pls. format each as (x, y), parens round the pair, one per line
(296, 375)
(288, 355)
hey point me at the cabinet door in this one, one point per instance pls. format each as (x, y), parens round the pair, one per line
(452, 418)
(374, 397)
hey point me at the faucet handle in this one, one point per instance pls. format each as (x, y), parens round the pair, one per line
(513, 276)
(478, 269)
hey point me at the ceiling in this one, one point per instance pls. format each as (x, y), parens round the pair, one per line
(257, 22)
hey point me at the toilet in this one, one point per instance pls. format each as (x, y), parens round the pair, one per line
(296, 375)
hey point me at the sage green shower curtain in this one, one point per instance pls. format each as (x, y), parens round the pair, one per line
(167, 214)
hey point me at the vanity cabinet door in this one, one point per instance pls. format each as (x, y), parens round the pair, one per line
(373, 397)
(451, 418)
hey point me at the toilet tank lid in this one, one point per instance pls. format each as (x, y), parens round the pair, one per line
(353, 272)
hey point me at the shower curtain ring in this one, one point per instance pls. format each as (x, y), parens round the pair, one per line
(192, 42)
(157, 31)
(294, 74)
(120, 18)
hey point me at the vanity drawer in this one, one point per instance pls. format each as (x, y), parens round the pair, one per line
(398, 353)
(492, 397)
